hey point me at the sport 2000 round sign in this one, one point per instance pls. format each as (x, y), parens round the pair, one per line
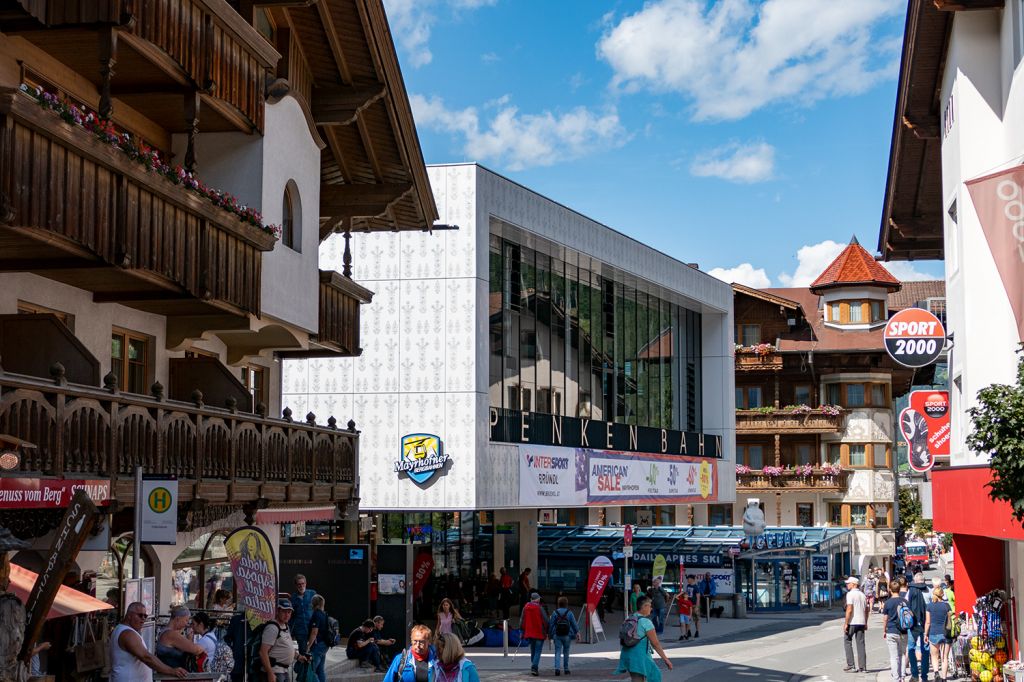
(914, 337)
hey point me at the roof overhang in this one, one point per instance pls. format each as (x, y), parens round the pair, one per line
(912, 212)
(770, 298)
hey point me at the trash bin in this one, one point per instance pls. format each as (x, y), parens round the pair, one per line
(739, 606)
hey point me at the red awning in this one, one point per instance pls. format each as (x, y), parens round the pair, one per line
(296, 514)
(960, 504)
(69, 602)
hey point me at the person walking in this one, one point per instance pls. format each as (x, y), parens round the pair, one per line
(894, 634)
(659, 603)
(936, 621)
(636, 659)
(563, 629)
(917, 640)
(505, 597)
(130, 660)
(452, 664)
(447, 615)
(635, 594)
(418, 662)
(302, 601)
(882, 590)
(316, 644)
(855, 625)
(534, 627)
(693, 591)
(870, 588)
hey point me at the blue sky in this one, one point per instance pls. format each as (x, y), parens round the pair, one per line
(750, 137)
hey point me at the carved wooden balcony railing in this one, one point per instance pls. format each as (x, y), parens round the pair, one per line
(790, 479)
(747, 361)
(150, 52)
(77, 210)
(218, 454)
(340, 299)
(786, 421)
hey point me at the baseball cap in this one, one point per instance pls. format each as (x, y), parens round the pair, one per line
(285, 604)
(534, 596)
(852, 580)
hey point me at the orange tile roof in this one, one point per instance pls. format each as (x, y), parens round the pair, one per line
(855, 266)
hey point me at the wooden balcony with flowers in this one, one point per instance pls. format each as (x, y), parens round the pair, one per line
(826, 478)
(90, 205)
(762, 356)
(790, 419)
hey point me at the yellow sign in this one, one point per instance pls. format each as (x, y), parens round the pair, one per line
(705, 480)
(160, 500)
(254, 570)
(659, 566)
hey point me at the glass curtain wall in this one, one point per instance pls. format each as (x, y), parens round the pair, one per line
(567, 340)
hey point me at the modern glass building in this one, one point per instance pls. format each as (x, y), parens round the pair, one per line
(530, 367)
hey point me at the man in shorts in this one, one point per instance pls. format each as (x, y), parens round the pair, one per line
(693, 591)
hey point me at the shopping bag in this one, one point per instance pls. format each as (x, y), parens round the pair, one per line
(91, 653)
(304, 673)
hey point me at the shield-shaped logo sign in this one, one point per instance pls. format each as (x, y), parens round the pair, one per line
(422, 456)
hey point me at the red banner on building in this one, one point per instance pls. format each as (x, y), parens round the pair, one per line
(50, 493)
(421, 570)
(925, 427)
(600, 575)
(999, 202)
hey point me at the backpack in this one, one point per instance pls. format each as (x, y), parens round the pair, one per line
(254, 667)
(223, 659)
(333, 635)
(628, 636)
(562, 628)
(906, 616)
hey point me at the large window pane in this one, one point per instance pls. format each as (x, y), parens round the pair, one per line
(629, 352)
(755, 456)
(858, 456)
(597, 344)
(558, 336)
(855, 312)
(572, 370)
(642, 351)
(854, 395)
(543, 334)
(494, 314)
(666, 366)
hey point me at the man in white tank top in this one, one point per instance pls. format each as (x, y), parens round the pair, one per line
(130, 660)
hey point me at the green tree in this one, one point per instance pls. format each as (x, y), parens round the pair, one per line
(998, 421)
(910, 512)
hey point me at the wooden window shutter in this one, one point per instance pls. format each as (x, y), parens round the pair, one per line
(846, 515)
(888, 517)
(844, 312)
(869, 462)
(870, 515)
(865, 311)
(888, 456)
(844, 461)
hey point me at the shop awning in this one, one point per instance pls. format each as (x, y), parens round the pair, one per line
(69, 602)
(296, 514)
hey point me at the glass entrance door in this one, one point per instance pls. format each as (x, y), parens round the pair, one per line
(765, 588)
(776, 584)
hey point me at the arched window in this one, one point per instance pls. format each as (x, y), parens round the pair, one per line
(201, 570)
(116, 568)
(291, 218)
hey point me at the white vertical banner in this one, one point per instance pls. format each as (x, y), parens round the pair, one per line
(158, 502)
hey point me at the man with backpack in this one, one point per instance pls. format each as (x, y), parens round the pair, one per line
(894, 628)
(275, 652)
(563, 628)
(917, 642)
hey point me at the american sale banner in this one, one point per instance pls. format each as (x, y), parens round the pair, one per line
(600, 575)
(925, 426)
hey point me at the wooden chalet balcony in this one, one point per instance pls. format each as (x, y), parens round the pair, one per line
(786, 421)
(219, 455)
(151, 53)
(790, 479)
(74, 209)
(747, 361)
(340, 299)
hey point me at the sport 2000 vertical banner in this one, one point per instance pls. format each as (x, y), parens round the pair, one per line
(255, 573)
(600, 574)
(925, 427)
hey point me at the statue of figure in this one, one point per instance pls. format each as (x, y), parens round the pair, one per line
(753, 519)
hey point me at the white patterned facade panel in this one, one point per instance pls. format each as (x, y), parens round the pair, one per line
(422, 335)
(461, 335)
(294, 376)
(498, 477)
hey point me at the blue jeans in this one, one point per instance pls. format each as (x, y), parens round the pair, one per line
(536, 647)
(658, 618)
(319, 658)
(562, 645)
(300, 636)
(918, 642)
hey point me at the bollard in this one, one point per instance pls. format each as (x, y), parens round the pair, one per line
(504, 636)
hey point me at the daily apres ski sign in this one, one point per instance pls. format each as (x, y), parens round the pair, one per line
(914, 337)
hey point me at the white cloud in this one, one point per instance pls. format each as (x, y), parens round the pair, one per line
(412, 21)
(906, 272)
(754, 162)
(736, 56)
(744, 273)
(489, 57)
(516, 140)
(811, 262)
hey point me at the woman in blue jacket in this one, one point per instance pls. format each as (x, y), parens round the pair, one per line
(563, 630)
(418, 662)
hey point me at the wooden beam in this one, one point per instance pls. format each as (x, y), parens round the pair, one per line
(916, 226)
(138, 296)
(922, 130)
(360, 200)
(341, 105)
(967, 5)
(334, 41)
